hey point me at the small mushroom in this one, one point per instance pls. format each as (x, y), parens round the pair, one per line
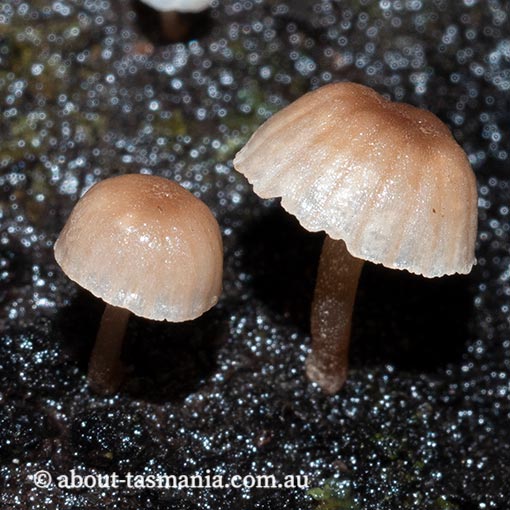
(176, 16)
(385, 180)
(144, 245)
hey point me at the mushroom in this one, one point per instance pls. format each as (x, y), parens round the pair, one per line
(386, 181)
(144, 245)
(175, 15)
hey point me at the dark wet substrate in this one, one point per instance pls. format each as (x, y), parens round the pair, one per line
(88, 91)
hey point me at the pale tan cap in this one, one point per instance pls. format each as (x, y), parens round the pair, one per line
(387, 178)
(146, 244)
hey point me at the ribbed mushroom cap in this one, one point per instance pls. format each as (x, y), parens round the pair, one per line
(387, 178)
(178, 5)
(146, 244)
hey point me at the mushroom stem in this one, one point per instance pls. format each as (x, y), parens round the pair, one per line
(105, 368)
(174, 26)
(335, 293)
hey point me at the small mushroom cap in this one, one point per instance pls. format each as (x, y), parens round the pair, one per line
(146, 244)
(178, 5)
(387, 178)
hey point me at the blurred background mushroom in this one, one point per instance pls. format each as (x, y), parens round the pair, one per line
(177, 16)
(144, 245)
(386, 181)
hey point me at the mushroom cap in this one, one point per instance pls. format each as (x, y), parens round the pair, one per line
(178, 5)
(146, 244)
(387, 178)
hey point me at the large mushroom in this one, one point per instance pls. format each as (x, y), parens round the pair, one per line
(385, 180)
(144, 245)
(176, 16)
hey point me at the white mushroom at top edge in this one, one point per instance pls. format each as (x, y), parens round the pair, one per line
(178, 5)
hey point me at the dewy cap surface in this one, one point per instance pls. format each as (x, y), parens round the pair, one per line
(146, 244)
(387, 178)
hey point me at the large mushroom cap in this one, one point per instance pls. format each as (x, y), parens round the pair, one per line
(178, 5)
(146, 244)
(387, 178)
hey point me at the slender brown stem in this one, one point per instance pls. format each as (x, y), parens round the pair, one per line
(335, 293)
(174, 26)
(105, 368)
